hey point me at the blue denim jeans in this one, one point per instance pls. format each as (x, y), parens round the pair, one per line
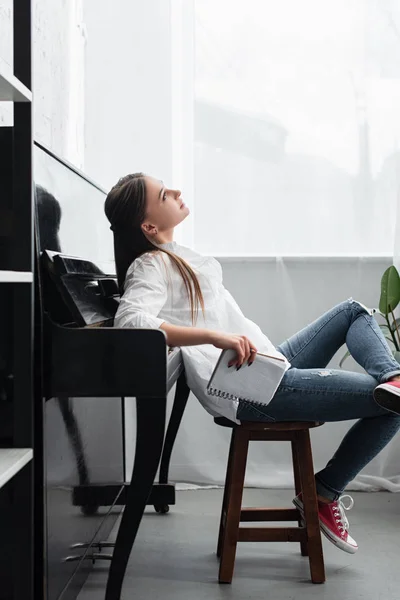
(310, 392)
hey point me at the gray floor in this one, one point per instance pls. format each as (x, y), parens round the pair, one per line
(174, 555)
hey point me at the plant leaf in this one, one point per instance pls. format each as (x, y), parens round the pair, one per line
(344, 358)
(390, 290)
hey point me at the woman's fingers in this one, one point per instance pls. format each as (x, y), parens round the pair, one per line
(253, 353)
(245, 352)
(246, 355)
(253, 356)
(238, 360)
(237, 348)
(250, 352)
(240, 354)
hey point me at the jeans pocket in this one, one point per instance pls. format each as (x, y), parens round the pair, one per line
(252, 411)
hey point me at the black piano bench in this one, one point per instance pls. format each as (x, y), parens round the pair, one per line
(230, 533)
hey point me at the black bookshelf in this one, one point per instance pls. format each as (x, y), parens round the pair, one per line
(17, 320)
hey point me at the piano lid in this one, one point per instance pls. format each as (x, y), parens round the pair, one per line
(70, 211)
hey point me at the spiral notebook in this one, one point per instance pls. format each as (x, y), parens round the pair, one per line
(257, 382)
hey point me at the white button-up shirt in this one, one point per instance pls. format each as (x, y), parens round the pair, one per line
(155, 293)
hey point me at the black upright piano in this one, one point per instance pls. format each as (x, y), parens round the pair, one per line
(86, 370)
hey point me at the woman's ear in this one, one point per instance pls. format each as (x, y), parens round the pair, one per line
(149, 229)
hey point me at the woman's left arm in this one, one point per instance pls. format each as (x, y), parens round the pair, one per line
(144, 295)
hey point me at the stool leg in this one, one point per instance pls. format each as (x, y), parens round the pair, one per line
(225, 499)
(310, 503)
(297, 487)
(240, 442)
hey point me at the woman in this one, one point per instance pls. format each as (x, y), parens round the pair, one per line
(168, 286)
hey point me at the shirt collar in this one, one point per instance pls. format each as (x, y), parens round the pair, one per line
(168, 246)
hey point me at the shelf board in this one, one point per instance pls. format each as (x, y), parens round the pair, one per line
(11, 88)
(16, 277)
(11, 461)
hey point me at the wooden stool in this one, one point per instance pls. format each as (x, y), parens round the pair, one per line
(232, 513)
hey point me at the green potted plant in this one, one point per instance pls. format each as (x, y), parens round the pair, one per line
(390, 298)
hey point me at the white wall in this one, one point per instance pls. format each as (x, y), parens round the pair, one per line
(58, 46)
(138, 114)
(127, 89)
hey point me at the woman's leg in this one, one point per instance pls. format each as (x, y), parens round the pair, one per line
(351, 323)
(314, 395)
(309, 394)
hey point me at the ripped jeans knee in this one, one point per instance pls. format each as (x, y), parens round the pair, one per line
(358, 305)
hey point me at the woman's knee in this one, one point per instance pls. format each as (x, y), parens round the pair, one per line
(358, 307)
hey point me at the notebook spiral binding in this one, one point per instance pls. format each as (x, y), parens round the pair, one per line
(220, 394)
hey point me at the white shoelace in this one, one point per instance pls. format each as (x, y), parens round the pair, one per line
(339, 512)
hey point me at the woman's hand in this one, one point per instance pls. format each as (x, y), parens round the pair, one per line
(240, 343)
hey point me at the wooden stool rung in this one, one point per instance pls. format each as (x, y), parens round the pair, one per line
(271, 436)
(269, 514)
(272, 534)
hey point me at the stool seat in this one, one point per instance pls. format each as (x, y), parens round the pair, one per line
(270, 425)
(307, 533)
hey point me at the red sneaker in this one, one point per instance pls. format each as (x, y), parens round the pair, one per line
(387, 395)
(333, 522)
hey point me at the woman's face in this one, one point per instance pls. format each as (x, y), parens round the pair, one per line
(164, 209)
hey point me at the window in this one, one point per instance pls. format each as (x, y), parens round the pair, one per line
(296, 126)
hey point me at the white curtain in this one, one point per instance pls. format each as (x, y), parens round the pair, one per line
(297, 126)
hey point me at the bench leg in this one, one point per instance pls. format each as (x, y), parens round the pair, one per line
(225, 499)
(310, 503)
(297, 487)
(180, 400)
(149, 443)
(240, 441)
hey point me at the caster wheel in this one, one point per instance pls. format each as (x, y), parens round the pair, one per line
(89, 510)
(161, 509)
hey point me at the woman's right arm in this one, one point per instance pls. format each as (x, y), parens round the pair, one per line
(186, 336)
(144, 297)
(195, 336)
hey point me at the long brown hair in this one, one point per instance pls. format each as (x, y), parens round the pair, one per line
(125, 208)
